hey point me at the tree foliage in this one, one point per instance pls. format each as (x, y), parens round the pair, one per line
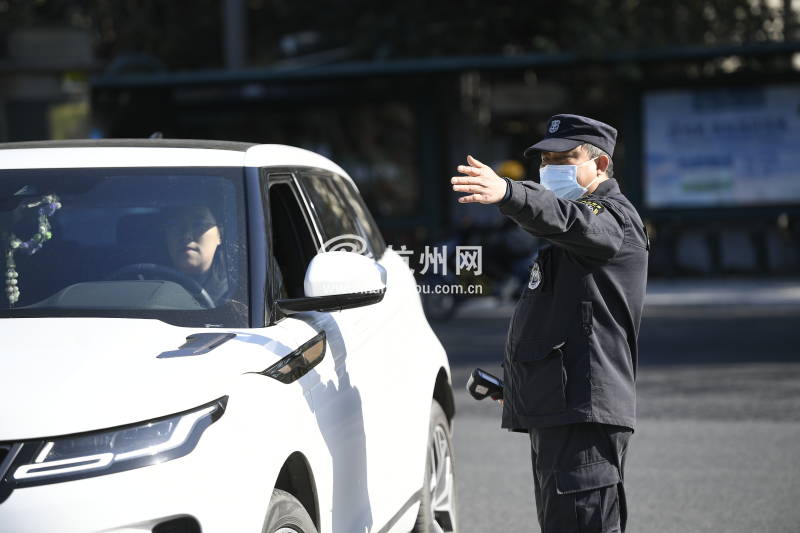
(188, 34)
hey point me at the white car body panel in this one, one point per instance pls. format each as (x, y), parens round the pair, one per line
(388, 351)
(278, 155)
(360, 418)
(83, 374)
(121, 157)
(261, 155)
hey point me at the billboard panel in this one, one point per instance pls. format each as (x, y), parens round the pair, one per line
(722, 147)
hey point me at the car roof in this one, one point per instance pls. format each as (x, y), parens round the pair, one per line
(106, 143)
(121, 153)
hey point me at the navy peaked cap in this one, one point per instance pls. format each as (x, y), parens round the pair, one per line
(565, 132)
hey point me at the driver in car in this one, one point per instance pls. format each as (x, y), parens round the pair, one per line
(193, 238)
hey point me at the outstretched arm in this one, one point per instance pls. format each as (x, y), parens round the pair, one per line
(588, 228)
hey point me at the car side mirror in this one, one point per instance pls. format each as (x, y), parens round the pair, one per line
(338, 280)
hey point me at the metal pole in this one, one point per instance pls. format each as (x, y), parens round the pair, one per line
(3, 120)
(234, 33)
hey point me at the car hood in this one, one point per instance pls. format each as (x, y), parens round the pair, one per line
(67, 375)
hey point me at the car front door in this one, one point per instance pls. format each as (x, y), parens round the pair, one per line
(379, 368)
(336, 398)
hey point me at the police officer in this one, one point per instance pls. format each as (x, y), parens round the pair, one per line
(571, 353)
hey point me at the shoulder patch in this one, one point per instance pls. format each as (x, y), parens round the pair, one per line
(596, 207)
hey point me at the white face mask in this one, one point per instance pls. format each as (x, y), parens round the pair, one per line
(563, 180)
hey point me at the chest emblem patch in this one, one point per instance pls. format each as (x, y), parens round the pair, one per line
(536, 276)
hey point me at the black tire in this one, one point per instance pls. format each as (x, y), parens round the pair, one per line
(286, 514)
(434, 516)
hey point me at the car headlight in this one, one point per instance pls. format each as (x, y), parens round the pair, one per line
(108, 451)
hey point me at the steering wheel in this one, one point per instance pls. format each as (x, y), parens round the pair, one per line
(168, 274)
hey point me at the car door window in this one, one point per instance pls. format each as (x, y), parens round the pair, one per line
(293, 244)
(336, 220)
(363, 218)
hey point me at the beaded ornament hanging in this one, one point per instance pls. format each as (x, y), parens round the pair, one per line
(47, 205)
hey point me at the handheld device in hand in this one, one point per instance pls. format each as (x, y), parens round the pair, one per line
(482, 384)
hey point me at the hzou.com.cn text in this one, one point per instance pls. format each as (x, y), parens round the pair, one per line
(455, 288)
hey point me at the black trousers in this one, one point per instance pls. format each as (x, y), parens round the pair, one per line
(578, 474)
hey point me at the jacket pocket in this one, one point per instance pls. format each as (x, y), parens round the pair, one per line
(543, 383)
(536, 328)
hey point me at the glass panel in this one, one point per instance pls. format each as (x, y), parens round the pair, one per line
(335, 218)
(125, 242)
(363, 218)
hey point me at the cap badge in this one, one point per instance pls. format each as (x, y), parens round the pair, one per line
(554, 126)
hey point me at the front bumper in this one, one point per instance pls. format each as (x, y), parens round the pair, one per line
(222, 496)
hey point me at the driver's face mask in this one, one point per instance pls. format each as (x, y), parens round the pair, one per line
(563, 180)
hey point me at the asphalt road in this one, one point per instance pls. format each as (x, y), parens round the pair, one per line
(719, 423)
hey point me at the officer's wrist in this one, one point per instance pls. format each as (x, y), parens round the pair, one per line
(507, 194)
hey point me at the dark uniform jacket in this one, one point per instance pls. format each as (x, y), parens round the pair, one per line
(571, 352)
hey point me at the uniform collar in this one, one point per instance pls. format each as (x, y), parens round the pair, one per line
(609, 186)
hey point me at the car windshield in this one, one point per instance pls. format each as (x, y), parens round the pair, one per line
(165, 243)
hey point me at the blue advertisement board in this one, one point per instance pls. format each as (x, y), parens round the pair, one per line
(729, 147)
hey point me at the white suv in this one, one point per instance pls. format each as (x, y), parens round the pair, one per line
(210, 336)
